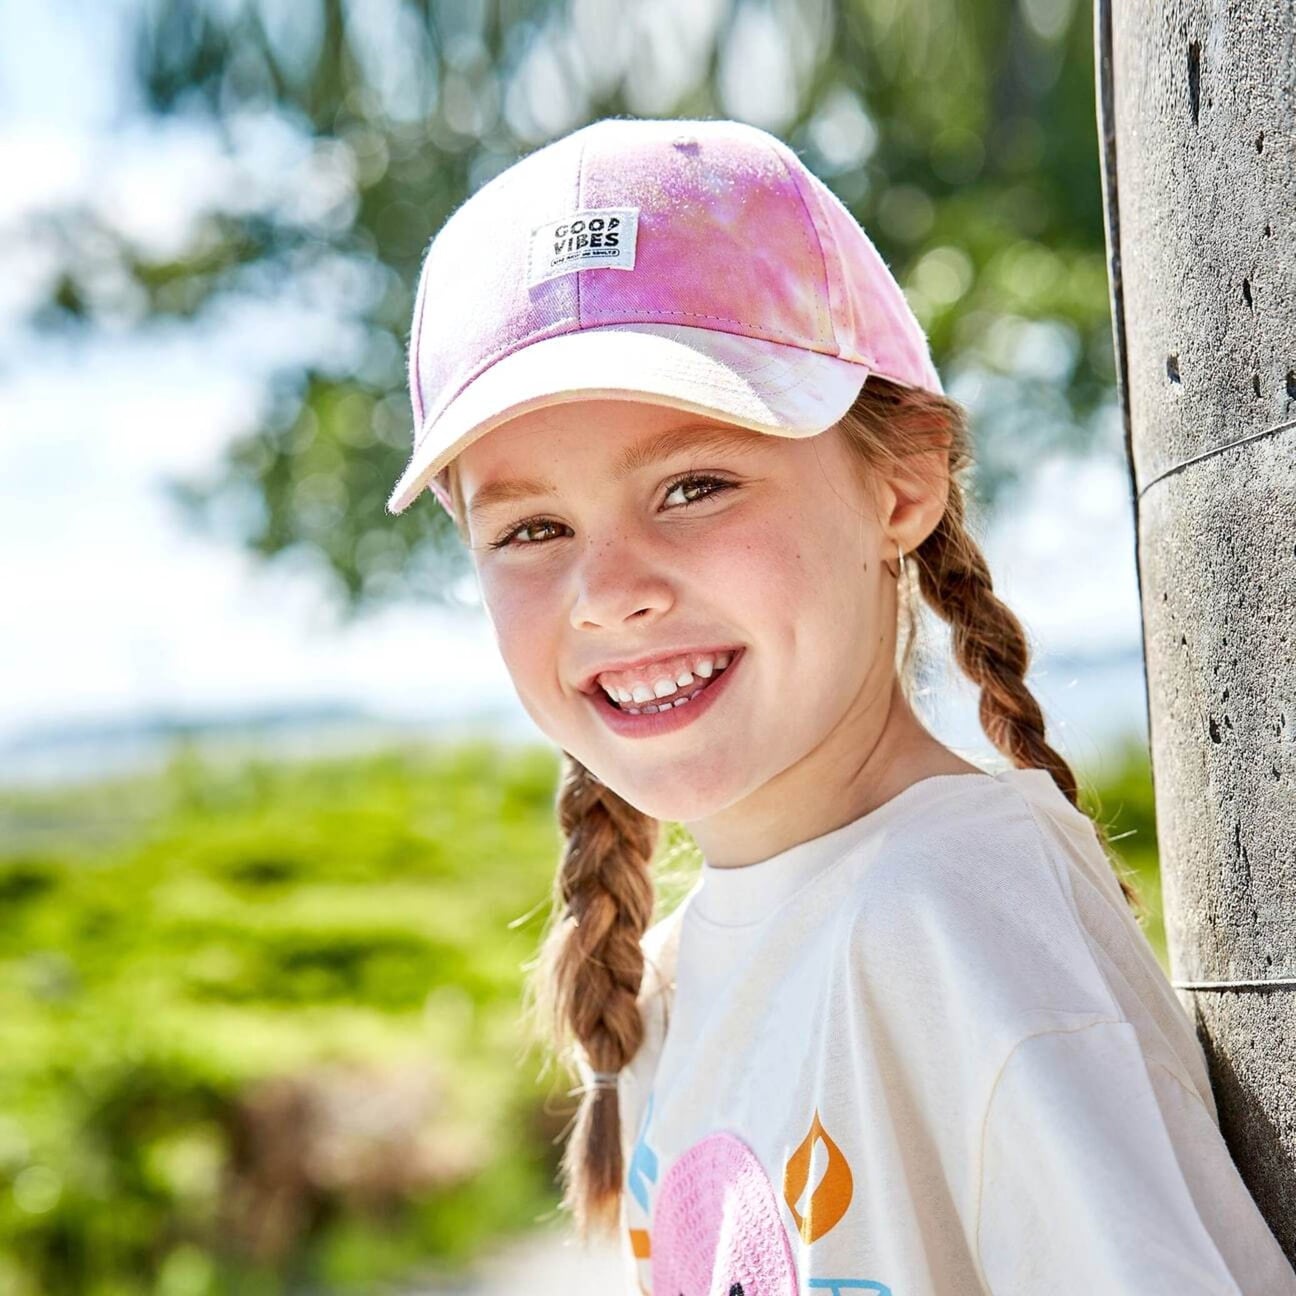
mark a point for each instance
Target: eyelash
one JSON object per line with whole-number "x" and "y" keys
{"x": 506, "y": 540}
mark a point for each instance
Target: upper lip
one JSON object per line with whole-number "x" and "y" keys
{"x": 589, "y": 682}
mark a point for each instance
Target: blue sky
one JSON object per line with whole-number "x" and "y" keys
{"x": 114, "y": 611}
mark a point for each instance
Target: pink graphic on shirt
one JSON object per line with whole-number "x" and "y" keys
{"x": 717, "y": 1230}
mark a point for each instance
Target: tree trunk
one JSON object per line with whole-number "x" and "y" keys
{"x": 1196, "y": 108}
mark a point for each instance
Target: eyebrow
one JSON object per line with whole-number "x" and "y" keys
{"x": 650, "y": 450}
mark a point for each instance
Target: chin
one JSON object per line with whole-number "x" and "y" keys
{"x": 668, "y": 799}
{"x": 687, "y": 789}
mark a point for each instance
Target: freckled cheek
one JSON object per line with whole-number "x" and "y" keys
{"x": 765, "y": 562}
{"x": 528, "y": 619}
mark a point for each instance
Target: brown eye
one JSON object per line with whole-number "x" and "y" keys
{"x": 531, "y": 524}
{"x": 717, "y": 483}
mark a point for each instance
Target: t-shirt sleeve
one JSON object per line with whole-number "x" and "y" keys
{"x": 1081, "y": 1188}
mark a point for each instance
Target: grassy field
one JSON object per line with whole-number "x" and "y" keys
{"x": 261, "y": 1023}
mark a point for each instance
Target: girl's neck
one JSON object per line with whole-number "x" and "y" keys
{"x": 829, "y": 787}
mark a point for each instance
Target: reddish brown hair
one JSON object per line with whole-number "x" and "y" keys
{"x": 586, "y": 979}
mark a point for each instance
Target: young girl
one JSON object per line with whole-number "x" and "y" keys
{"x": 904, "y": 1035}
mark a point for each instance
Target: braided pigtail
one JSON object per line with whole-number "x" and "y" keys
{"x": 889, "y": 422}
{"x": 588, "y": 976}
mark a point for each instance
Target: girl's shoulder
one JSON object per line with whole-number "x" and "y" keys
{"x": 1011, "y": 855}
{"x": 963, "y": 844}
{"x": 659, "y": 944}
{"x": 1007, "y": 842}
{"x": 973, "y": 896}
{"x": 1001, "y": 903}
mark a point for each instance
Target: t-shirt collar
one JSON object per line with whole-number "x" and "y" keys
{"x": 748, "y": 894}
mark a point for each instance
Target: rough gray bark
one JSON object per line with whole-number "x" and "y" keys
{"x": 1197, "y": 125}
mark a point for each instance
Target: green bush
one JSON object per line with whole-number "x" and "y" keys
{"x": 171, "y": 942}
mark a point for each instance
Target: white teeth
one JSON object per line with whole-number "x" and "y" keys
{"x": 663, "y": 706}
{"x": 664, "y": 686}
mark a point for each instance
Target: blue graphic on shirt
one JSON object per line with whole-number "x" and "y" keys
{"x": 643, "y": 1161}
{"x": 836, "y": 1285}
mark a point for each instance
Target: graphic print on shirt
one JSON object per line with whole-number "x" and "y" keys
{"x": 642, "y": 1172}
{"x": 831, "y": 1196}
{"x": 717, "y": 1226}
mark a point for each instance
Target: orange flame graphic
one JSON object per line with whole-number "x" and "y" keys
{"x": 833, "y": 1195}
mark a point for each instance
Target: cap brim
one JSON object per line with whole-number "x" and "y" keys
{"x": 766, "y": 386}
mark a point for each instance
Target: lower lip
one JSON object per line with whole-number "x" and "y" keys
{"x": 661, "y": 722}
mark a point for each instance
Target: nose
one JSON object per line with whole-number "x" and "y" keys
{"x": 615, "y": 582}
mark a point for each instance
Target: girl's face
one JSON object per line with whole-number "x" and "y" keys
{"x": 606, "y": 532}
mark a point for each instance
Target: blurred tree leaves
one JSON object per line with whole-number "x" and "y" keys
{"x": 961, "y": 133}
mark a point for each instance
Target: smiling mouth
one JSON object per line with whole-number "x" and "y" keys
{"x": 672, "y": 701}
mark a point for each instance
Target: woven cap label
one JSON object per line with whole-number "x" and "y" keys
{"x": 600, "y": 238}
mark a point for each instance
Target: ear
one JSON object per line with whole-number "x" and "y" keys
{"x": 911, "y": 497}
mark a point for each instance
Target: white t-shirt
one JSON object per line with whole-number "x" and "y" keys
{"x": 928, "y": 1053}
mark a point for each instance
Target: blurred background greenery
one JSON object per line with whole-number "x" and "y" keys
{"x": 260, "y": 1020}
{"x": 260, "y": 1017}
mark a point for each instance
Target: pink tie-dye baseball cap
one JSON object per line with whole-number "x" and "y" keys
{"x": 692, "y": 263}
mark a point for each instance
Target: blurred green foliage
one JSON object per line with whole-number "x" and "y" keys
{"x": 190, "y": 960}
{"x": 961, "y": 133}
{"x": 169, "y": 942}
{"x": 1121, "y": 799}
